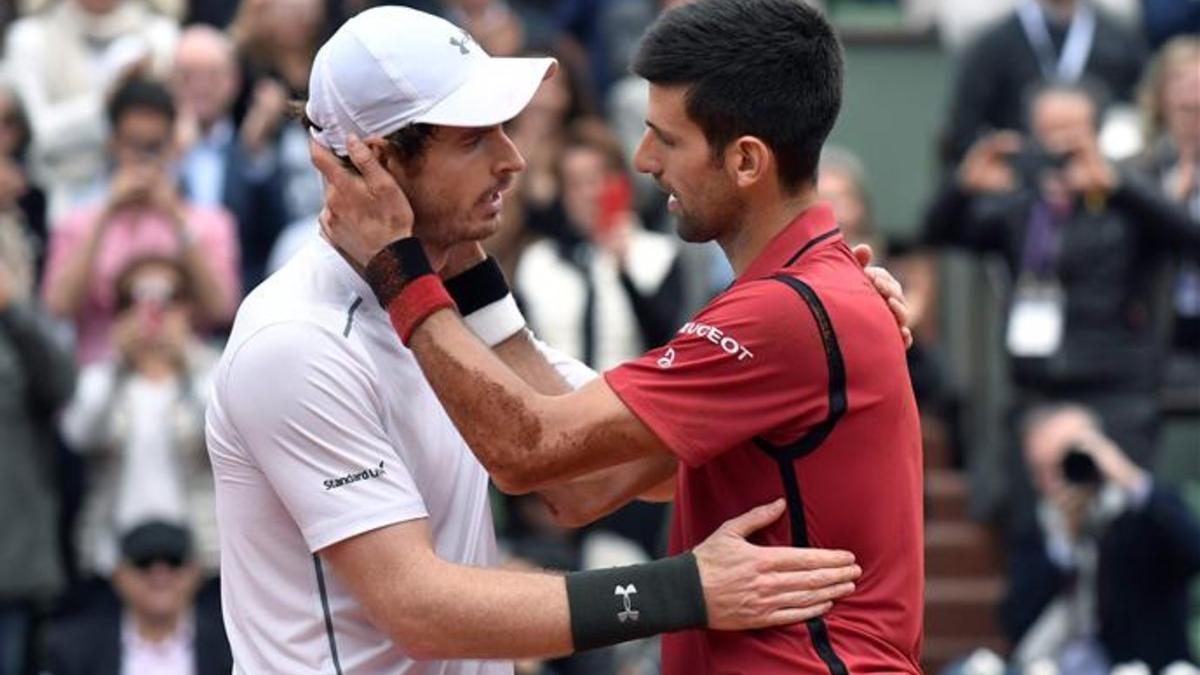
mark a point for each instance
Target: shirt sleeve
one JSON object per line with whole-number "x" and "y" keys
{"x": 304, "y": 407}
{"x": 751, "y": 364}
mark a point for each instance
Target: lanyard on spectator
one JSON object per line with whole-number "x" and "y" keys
{"x": 1078, "y": 46}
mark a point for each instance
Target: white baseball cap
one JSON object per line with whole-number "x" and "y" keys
{"x": 389, "y": 67}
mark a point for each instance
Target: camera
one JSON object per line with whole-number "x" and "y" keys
{"x": 1033, "y": 161}
{"x": 1078, "y": 468}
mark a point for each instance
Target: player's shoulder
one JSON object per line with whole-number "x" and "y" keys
{"x": 299, "y": 315}
{"x": 762, "y": 315}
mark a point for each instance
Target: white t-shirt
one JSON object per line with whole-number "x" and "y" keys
{"x": 323, "y": 427}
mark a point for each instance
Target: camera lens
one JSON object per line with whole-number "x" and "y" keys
{"x": 1078, "y": 467}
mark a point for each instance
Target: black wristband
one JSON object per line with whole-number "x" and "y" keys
{"x": 630, "y": 603}
{"x": 393, "y": 268}
{"x": 478, "y": 287}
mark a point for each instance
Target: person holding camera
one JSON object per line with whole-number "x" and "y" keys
{"x": 1086, "y": 243}
{"x": 138, "y": 419}
{"x": 141, "y": 214}
{"x": 1102, "y": 577}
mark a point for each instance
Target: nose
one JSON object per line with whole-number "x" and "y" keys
{"x": 643, "y": 159}
{"x": 510, "y": 160}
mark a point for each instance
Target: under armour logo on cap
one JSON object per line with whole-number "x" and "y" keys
{"x": 462, "y": 43}
{"x": 389, "y": 67}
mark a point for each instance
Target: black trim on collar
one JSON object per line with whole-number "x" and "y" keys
{"x": 811, "y": 243}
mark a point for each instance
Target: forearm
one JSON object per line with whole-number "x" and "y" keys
{"x": 588, "y": 498}
{"x": 520, "y": 353}
{"x": 524, "y": 439}
{"x": 460, "y": 612}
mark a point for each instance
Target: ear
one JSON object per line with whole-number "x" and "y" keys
{"x": 749, "y": 161}
{"x": 383, "y": 151}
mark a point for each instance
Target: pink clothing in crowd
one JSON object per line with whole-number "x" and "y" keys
{"x": 130, "y": 236}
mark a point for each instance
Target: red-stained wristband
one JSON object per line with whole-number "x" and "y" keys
{"x": 418, "y": 299}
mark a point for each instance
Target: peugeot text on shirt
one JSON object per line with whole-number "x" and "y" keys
{"x": 717, "y": 337}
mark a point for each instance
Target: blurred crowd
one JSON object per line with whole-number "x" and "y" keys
{"x": 152, "y": 174}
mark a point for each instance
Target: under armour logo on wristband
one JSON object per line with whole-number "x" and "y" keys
{"x": 630, "y": 614}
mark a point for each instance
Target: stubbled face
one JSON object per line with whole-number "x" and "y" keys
{"x": 674, "y": 150}
{"x": 457, "y": 188}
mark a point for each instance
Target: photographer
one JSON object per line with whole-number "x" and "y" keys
{"x": 141, "y": 214}
{"x": 137, "y": 418}
{"x": 1102, "y": 577}
{"x": 1086, "y": 244}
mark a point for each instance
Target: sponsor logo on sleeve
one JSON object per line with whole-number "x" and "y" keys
{"x": 667, "y": 359}
{"x": 726, "y": 343}
{"x": 365, "y": 474}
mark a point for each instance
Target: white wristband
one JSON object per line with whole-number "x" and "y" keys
{"x": 496, "y": 322}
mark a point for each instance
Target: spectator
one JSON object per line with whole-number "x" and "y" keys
{"x": 138, "y": 419}
{"x": 36, "y": 378}
{"x": 276, "y": 41}
{"x": 217, "y": 169}
{"x": 1171, "y": 105}
{"x": 65, "y": 62}
{"x": 142, "y": 214}
{"x": 158, "y": 629}
{"x": 1102, "y": 577}
{"x": 1084, "y": 242}
{"x": 1042, "y": 41}
{"x": 959, "y": 23}
{"x": 600, "y": 288}
{"x": 539, "y": 132}
{"x": 20, "y": 199}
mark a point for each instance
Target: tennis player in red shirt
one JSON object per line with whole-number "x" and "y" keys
{"x": 791, "y": 384}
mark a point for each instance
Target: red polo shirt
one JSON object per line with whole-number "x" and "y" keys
{"x": 793, "y": 383}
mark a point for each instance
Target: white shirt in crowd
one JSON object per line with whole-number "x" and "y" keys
{"x": 174, "y": 655}
{"x": 322, "y": 427}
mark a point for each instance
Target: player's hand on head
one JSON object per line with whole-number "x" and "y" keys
{"x": 889, "y": 288}
{"x": 748, "y": 587}
{"x": 364, "y": 212}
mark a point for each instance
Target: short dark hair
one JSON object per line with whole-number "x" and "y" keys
{"x": 765, "y": 68}
{"x": 140, "y": 94}
{"x": 410, "y": 142}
